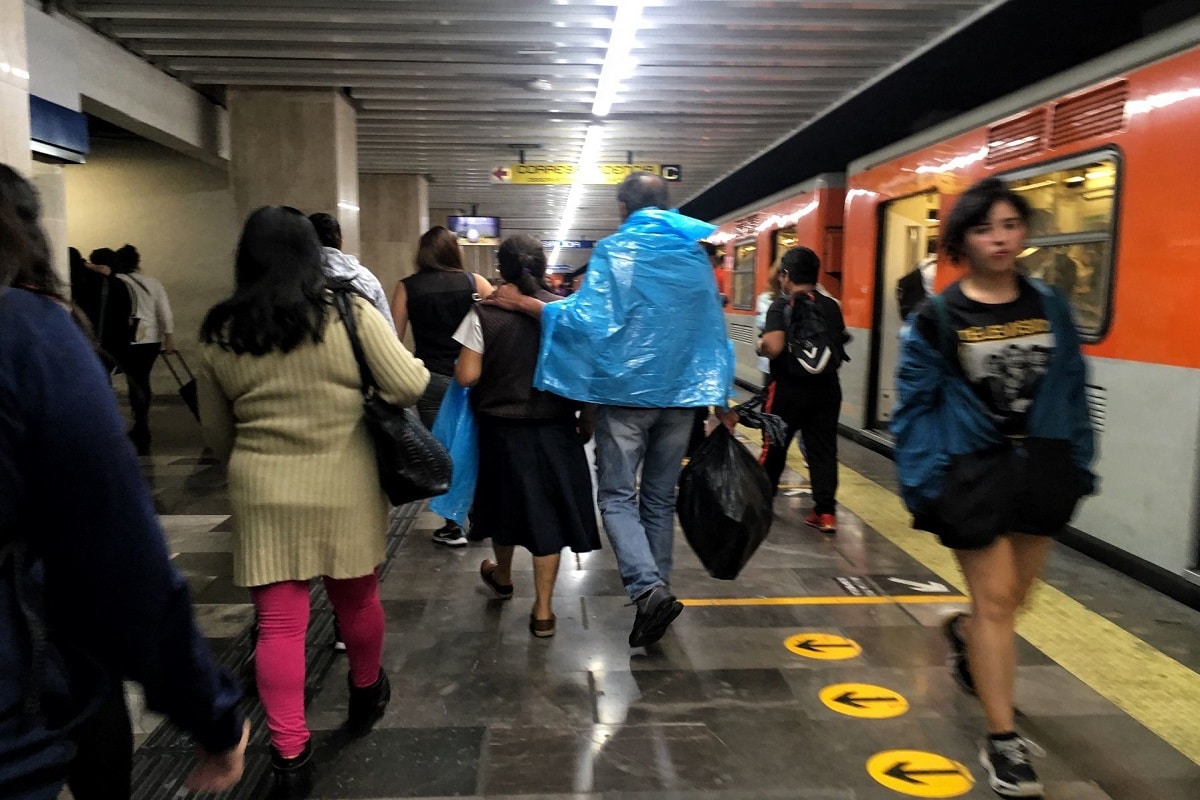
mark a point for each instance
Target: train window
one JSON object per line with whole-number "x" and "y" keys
{"x": 744, "y": 261}
{"x": 782, "y": 241}
{"x": 1070, "y": 239}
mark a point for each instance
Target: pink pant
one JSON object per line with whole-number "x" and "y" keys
{"x": 279, "y": 656}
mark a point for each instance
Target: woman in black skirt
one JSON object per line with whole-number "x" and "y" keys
{"x": 534, "y": 488}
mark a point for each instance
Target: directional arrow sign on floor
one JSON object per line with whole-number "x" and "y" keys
{"x": 922, "y": 586}
{"x": 920, "y": 774}
{"x": 827, "y": 646}
{"x": 501, "y": 175}
{"x": 906, "y": 585}
{"x": 863, "y": 700}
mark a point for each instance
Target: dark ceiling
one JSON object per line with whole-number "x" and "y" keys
{"x": 1018, "y": 44}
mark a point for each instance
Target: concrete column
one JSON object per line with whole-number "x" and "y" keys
{"x": 297, "y": 148}
{"x": 14, "y": 87}
{"x": 395, "y": 212}
{"x": 51, "y": 183}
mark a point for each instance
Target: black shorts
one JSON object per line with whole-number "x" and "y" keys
{"x": 1026, "y": 485}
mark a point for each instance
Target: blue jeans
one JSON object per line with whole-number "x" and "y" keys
{"x": 640, "y": 524}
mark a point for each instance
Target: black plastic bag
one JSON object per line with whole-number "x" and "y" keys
{"x": 724, "y": 505}
{"x": 751, "y": 415}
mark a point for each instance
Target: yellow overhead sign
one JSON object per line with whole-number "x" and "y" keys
{"x": 562, "y": 174}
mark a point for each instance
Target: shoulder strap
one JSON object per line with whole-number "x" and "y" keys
{"x": 341, "y": 300}
{"x": 472, "y": 287}
{"x": 945, "y": 342}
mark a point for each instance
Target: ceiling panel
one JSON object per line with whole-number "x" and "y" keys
{"x": 455, "y": 89}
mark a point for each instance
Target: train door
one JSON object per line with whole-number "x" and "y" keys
{"x": 907, "y": 252}
{"x": 739, "y": 315}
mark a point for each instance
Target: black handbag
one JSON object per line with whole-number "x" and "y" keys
{"x": 412, "y": 464}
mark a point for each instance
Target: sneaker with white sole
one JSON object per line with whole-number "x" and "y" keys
{"x": 450, "y": 536}
{"x": 1007, "y": 764}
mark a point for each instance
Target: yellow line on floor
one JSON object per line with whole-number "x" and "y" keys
{"x": 1153, "y": 688}
{"x": 825, "y": 601}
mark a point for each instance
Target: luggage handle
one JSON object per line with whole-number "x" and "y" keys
{"x": 166, "y": 357}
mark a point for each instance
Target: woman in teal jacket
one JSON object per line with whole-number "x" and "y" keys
{"x": 993, "y": 447}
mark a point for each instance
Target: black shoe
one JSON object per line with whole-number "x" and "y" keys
{"x": 960, "y": 667}
{"x": 1007, "y": 763}
{"x": 368, "y": 704}
{"x": 140, "y": 437}
{"x": 339, "y": 646}
{"x": 656, "y": 610}
{"x": 293, "y": 777}
{"x": 450, "y": 535}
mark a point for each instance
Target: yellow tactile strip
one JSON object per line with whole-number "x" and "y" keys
{"x": 1153, "y": 688}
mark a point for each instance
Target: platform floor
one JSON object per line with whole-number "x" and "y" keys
{"x": 721, "y": 708}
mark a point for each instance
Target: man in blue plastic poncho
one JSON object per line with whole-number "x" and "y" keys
{"x": 644, "y": 340}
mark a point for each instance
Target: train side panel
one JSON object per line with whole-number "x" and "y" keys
{"x": 1144, "y": 385}
{"x": 812, "y": 218}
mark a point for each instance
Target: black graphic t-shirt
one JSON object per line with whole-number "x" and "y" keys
{"x": 1003, "y": 349}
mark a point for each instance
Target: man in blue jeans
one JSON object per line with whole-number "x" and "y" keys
{"x": 644, "y": 341}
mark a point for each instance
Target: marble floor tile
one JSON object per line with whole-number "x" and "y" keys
{"x": 223, "y": 620}
{"x": 602, "y": 758}
{"x": 398, "y": 762}
{"x": 458, "y": 699}
{"x": 676, "y": 696}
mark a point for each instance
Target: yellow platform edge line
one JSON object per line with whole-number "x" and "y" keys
{"x": 836, "y": 600}
{"x": 1148, "y": 685}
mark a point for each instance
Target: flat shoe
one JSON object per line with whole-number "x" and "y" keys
{"x": 542, "y": 628}
{"x": 487, "y": 573}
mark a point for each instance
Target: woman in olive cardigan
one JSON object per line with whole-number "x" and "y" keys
{"x": 280, "y": 400}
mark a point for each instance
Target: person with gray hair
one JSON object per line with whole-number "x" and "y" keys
{"x": 622, "y": 342}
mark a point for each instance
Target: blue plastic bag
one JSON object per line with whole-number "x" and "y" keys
{"x": 455, "y": 428}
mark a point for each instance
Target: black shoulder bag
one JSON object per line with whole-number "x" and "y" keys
{"x": 412, "y": 464}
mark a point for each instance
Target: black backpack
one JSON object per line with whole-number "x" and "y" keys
{"x": 814, "y": 349}
{"x": 41, "y": 699}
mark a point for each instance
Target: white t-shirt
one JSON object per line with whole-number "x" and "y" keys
{"x": 151, "y": 306}
{"x": 470, "y": 332}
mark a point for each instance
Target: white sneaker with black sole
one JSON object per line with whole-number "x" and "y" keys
{"x": 450, "y": 536}
{"x": 1007, "y": 764}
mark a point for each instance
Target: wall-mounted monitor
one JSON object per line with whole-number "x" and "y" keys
{"x": 475, "y": 230}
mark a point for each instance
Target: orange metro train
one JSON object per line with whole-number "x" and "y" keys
{"x": 1108, "y": 156}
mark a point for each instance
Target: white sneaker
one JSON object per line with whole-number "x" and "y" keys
{"x": 1007, "y": 764}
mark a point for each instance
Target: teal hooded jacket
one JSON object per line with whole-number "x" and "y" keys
{"x": 646, "y": 329}
{"x": 938, "y": 415}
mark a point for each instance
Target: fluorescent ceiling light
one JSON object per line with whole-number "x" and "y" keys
{"x": 617, "y": 62}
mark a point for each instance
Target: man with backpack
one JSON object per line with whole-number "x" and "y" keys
{"x": 804, "y": 337}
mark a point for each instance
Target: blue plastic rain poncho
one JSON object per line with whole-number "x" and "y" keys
{"x": 646, "y": 329}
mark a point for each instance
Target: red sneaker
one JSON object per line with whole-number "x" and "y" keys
{"x": 825, "y": 523}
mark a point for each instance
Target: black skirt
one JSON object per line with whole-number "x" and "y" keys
{"x": 1028, "y": 485}
{"x": 534, "y": 488}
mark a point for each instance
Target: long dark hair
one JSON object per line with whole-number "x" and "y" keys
{"x": 438, "y": 250}
{"x": 26, "y": 251}
{"x": 279, "y": 299}
{"x": 523, "y": 263}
